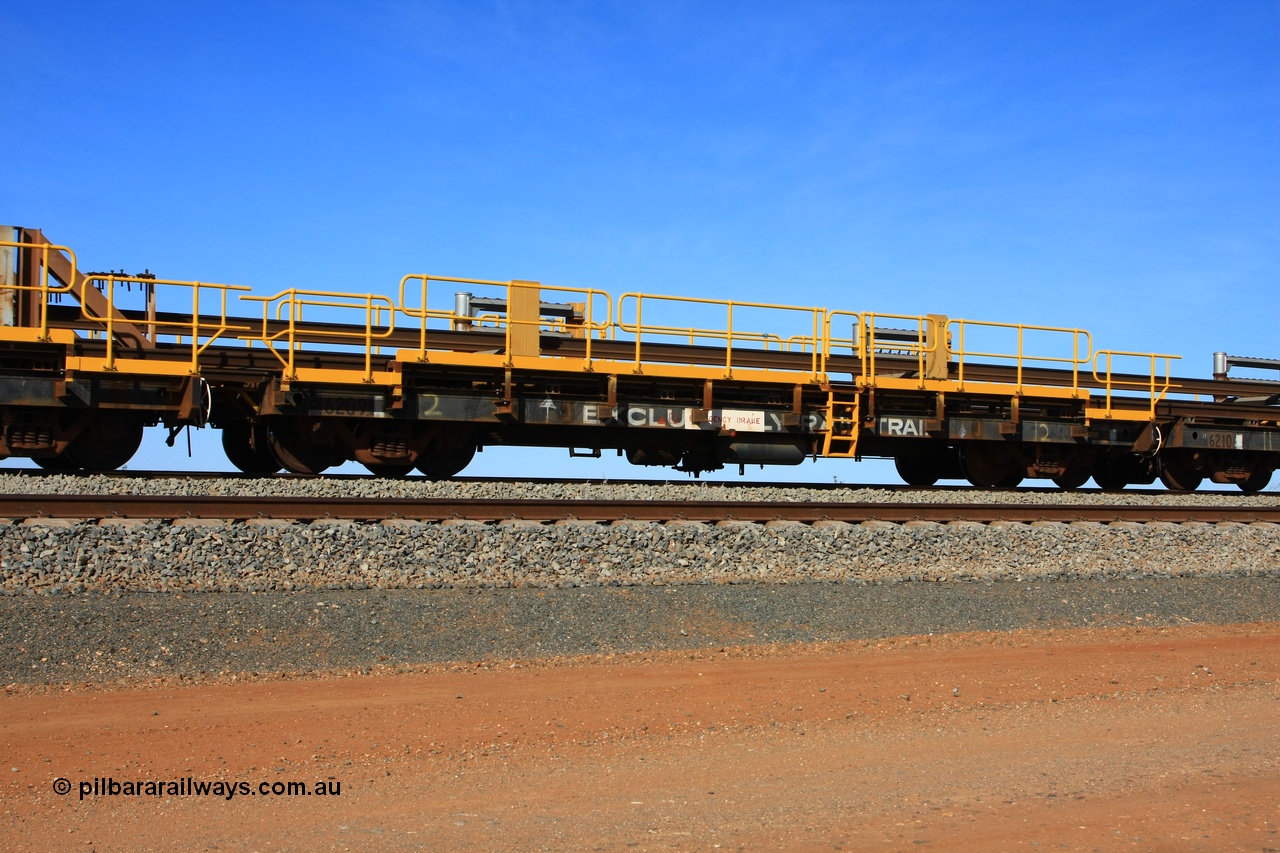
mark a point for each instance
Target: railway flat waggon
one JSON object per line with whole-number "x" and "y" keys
{"x": 425, "y": 376}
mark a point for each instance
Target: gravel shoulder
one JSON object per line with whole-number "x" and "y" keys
{"x": 60, "y": 557}
{"x": 135, "y": 637}
{"x": 1102, "y": 738}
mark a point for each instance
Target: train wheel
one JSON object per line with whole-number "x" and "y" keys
{"x": 441, "y": 463}
{"x": 54, "y": 463}
{"x": 916, "y": 470}
{"x": 1077, "y": 468}
{"x": 1177, "y": 474}
{"x": 1256, "y": 481}
{"x": 986, "y": 464}
{"x": 389, "y": 470}
{"x": 248, "y": 448}
{"x": 108, "y": 441}
{"x": 1073, "y": 478}
{"x": 1011, "y": 480}
{"x": 1107, "y": 475}
{"x": 296, "y": 451}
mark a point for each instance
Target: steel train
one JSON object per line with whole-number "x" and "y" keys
{"x": 303, "y": 380}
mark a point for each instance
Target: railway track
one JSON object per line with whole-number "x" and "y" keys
{"x": 961, "y": 491}
{"x": 439, "y": 509}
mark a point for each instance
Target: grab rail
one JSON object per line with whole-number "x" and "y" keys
{"x": 43, "y": 287}
{"x": 1020, "y": 357}
{"x": 727, "y": 334}
{"x": 197, "y": 330}
{"x": 868, "y": 344}
{"x": 1149, "y": 384}
{"x": 295, "y": 300}
{"x": 589, "y": 327}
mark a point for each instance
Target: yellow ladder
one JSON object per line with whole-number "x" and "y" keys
{"x": 842, "y": 426}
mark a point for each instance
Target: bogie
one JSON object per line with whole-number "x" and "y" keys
{"x": 105, "y": 441}
{"x": 1178, "y": 471}
{"x": 303, "y": 445}
{"x": 988, "y": 464}
{"x": 247, "y": 445}
{"x": 1256, "y": 481}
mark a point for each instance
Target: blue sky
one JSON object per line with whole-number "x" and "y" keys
{"x": 1100, "y": 165}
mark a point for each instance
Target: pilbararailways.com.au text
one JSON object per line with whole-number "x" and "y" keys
{"x": 192, "y": 787}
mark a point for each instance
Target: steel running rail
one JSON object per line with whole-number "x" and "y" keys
{"x": 445, "y": 509}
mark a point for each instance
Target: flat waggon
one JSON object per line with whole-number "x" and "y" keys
{"x": 422, "y": 378}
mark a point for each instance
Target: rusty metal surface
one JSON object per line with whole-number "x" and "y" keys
{"x": 172, "y": 506}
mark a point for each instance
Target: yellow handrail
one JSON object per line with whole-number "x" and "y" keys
{"x": 868, "y": 343}
{"x": 295, "y": 300}
{"x": 197, "y": 329}
{"x": 828, "y": 340}
{"x": 927, "y": 339}
{"x": 727, "y": 334}
{"x": 1149, "y": 384}
{"x": 590, "y": 326}
{"x": 1020, "y": 356}
{"x": 43, "y": 288}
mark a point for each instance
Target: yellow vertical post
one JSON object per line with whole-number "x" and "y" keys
{"x": 1155, "y": 396}
{"x": 869, "y": 350}
{"x": 422, "y": 330}
{"x": 294, "y": 311}
{"x": 368, "y": 337}
{"x": 938, "y": 357}
{"x": 813, "y": 361}
{"x": 111, "y": 313}
{"x": 587, "y": 314}
{"x": 524, "y": 319}
{"x": 195, "y": 326}
{"x": 44, "y": 294}
{"x": 1019, "y": 359}
{"x": 1075, "y": 363}
{"x": 1108, "y": 384}
{"x": 639, "y": 302}
{"x": 728, "y": 346}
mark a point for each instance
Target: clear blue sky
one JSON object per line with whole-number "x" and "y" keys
{"x": 1105, "y": 165}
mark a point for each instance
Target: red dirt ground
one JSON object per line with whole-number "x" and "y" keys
{"x": 1160, "y": 738}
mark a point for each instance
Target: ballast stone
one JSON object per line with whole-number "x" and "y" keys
{"x": 163, "y": 556}
{"x": 675, "y": 490}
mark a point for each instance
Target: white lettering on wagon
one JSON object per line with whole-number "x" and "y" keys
{"x": 742, "y": 421}
{"x": 640, "y": 416}
{"x": 738, "y": 420}
{"x": 901, "y": 426}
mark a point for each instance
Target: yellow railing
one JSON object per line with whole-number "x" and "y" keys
{"x": 208, "y": 333}
{"x": 43, "y": 288}
{"x": 1019, "y": 355}
{"x": 829, "y": 341}
{"x": 728, "y": 334}
{"x": 925, "y": 343}
{"x": 869, "y": 344}
{"x": 292, "y": 303}
{"x": 592, "y": 325}
{"x": 1156, "y": 389}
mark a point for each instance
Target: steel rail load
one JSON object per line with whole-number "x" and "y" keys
{"x": 308, "y": 379}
